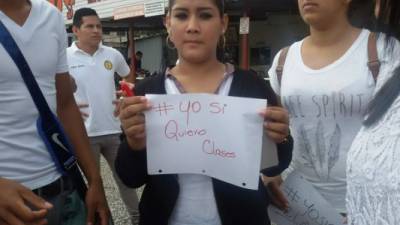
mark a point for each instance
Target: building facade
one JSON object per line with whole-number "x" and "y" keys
{"x": 272, "y": 25}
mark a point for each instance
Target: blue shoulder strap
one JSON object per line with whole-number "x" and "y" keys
{"x": 48, "y": 126}
{"x": 15, "y": 53}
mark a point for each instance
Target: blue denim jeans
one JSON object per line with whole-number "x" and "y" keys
{"x": 68, "y": 209}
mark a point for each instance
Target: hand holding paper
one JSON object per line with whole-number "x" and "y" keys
{"x": 125, "y": 91}
{"x": 132, "y": 120}
{"x": 276, "y": 123}
{"x": 277, "y": 196}
{"x": 306, "y": 205}
{"x": 206, "y": 134}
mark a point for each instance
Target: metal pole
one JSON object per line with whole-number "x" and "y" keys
{"x": 132, "y": 50}
{"x": 244, "y": 46}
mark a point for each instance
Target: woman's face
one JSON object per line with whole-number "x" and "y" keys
{"x": 195, "y": 27}
{"x": 322, "y": 12}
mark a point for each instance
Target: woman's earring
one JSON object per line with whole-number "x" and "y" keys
{"x": 169, "y": 43}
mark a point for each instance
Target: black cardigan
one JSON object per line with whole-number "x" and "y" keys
{"x": 236, "y": 206}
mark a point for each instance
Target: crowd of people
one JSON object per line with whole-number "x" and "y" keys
{"x": 333, "y": 114}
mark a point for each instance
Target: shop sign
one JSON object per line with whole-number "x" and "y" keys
{"x": 154, "y": 8}
{"x": 128, "y": 12}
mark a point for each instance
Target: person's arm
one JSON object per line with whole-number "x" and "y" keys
{"x": 123, "y": 70}
{"x": 277, "y": 128}
{"x": 131, "y": 166}
{"x": 284, "y": 150}
{"x": 130, "y": 78}
{"x": 14, "y": 201}
{"x": 271, "y": 176}
{"x": 71, "y": 120}
{"x": 131, "y": 163}
{"x": 279, "y": 132}
{"x": 276, "y": 125}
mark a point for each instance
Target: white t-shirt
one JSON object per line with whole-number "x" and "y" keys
{"x": 94, "y": 77}
{"x": 43, "y": 41}
{"x": 373, "y": 168}
{"x": 196, "y": 203}
{"x": 326, "y": 109}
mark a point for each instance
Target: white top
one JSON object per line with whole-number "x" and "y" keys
{"x": 94, "y": 77}
{"x": 326, "y": 108}
{"x": 43, "y": 40}
{"x": 196, "y": 203}
{"x": 373, "y": 164}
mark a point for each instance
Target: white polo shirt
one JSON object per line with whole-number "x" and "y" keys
{"x": 43, "y": 41}
{"x": 94, "y": 77}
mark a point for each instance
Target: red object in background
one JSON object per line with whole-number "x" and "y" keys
{"x": 57, "y": 3}
{"x": 128, "y": 91}
{"x": 69, "y": 4}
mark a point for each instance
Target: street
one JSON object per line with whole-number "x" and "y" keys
{"x": 115, "y": 203}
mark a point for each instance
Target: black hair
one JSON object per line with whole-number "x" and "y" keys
{"x": 388, "y": 22}
{"x": 219, "y": 3}
{"x": 357, "y": 5}
{"x": 139, "y": 53}
{"x": 361, "y": 13}
{"x": 80, "y": 13}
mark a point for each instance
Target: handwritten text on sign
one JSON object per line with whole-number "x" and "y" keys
{"x": 206, "y": 134}
{"x": 306, "y": 205}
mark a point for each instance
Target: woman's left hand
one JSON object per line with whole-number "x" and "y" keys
{"x": 276, "y": 124}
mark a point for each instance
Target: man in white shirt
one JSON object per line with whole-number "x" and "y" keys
{"x": 32, "y": 190}
{"x": 93, "y": 66}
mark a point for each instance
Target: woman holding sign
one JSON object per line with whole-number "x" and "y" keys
{"x": 373, "y": 178}
{"x": 195, "y": 28}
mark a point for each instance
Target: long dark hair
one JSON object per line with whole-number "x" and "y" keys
{"x": 361, "y": 13}
{"x": 388, "y": 22}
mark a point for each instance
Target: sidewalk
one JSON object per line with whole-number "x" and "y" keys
{"x": 117, "y": 207}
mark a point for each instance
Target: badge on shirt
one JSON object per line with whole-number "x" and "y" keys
{"x": 108, "y": 65}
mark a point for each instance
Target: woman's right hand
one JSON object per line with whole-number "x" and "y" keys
{"x": 132, "y": 120}
{"x": 273, "y": 184}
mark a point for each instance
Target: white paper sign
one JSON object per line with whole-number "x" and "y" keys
{"x": 306, "y": 205}
{"x": 269, "y": 156}
{"x": 206, "y": 134}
